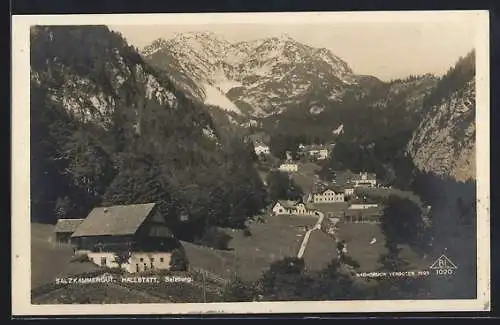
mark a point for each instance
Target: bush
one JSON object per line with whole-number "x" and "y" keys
{"x": 179, "y": 260}
{"x": 247, "y": 232}
{"x": 215, "y": 238}
{"x": 239, "y": 291}
{"x": 81, "y": 258}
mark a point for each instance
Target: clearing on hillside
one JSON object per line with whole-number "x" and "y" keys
{"x": 276, "y": 238}
{"x": 358, "y": 237}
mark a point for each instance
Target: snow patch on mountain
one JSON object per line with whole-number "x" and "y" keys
{"x": 339, "y": 130}
{"x": 315, "y": 110}
{"x": 215, "y": 97}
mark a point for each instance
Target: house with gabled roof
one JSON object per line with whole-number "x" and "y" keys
{"x": 326, "y": 195}
{"x": 64, "y": 228}
{"x": 133, "y": 237}
{"x": 282, "y": 207}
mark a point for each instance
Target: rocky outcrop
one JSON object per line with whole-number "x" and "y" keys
{"x": 444, "y": 143}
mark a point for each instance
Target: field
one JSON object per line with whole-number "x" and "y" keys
{"x": 305, "y": 177}
{"x": 50, "y": 260}
{"x": 358, "y": 237}
{"x": 280, "y": 236}
{"x": 320, "y": 251}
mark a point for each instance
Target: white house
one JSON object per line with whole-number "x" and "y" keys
{"x": 283, "y": 207}
{"x": 261, "y": 149}
{"x": 348, "y": 191}
{"x": 364, "y": 179}
{"x": 289, "y": 167}
{"x": 326, "y": 196}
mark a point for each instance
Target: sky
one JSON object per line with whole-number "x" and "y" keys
{"x": 387, "y": 50}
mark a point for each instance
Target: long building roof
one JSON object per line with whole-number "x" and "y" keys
{"x": 114, "y": 220}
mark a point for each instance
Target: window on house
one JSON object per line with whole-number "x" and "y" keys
{"x": 103, "y": 260}
{"x": 161, "y": 259}
{"x": 141, "y": 259}
{"x": 152, "y": 259}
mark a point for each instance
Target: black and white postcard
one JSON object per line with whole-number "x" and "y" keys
{"x": 250, "y": 163}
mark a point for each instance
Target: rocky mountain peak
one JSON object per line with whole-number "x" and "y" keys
{"x": 255, "y": 78}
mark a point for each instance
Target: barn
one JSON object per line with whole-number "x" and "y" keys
{"x": 64, "y": 228}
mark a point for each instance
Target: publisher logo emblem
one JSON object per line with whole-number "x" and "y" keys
{"x": 443, "y": 266}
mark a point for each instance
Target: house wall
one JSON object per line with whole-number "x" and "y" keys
{"x": 138, "y": 261}
{"x": 365, "y": 182}
{"x": 289, "y": 167}
{"x": 297, "y": 210}
{"x": 278, "y": 209}
{"x": 104, "y": 243}
{"x": 349, "y": 191}
{"x": 323, "y": 154}
{"x": 63, "y": 237}
{"x": 327, "y": 197}
{"x": 358, "y": 206}
{"x": 261, "y": 149}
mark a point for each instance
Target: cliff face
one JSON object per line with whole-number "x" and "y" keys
{"x": 444, "y": 143}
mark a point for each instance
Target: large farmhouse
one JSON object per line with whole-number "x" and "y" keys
{"x": 326, "y": 196}
{"x": 291, "y": 207}
{"x": 134, "y": 237}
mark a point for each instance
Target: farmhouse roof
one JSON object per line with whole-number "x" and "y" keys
{"x": 114, "y": 220}
{"x": 287, "y": 204}
{"x": 321, "y": 190}
{"x": 67, "y": 225}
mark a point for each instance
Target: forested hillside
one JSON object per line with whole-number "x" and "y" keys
{"x": 106, "y": 128}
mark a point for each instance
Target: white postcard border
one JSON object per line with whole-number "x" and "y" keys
{"x": 20, "y": 227}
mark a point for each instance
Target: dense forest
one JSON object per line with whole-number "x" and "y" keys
{"x": 144, "y": 141}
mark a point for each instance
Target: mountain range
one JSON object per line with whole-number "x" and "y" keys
{"x": 255, "y": 78}
{"x": 281, "y": 86}
{"x": 110, "y": 125}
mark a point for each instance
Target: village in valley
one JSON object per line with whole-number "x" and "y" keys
{"x": 331, "y": 219}
{"x": 199, "y": 169}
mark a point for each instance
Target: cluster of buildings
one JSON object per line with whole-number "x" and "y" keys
{"x": 133, "y": 237}
{"x": 336, "y": 202}
{"x": 315, "y": 152}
